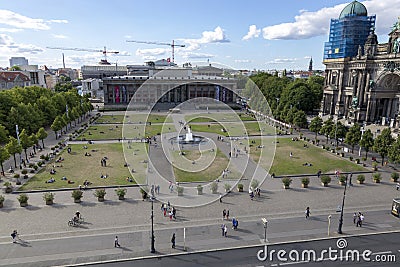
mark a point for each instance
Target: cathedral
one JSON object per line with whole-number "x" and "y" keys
{"x": 362, "y": 76}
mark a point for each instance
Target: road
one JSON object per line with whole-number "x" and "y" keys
{"x": 384, "y": 252}
{"x": 53, "y": 249}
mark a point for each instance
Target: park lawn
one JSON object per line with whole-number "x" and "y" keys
{"x": 234, "y": 128}
{"x": 134, "y": 118}
{"x": 77, "y": 167}
{"x": 112, "y": 132}
{"x": 319, "y": 158}
{"x": 214, "y": 171}
{"x": 219, "y": 117}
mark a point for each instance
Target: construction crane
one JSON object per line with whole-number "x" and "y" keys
{"x": 104, "y": 51}
{"x": 172, "y": 45}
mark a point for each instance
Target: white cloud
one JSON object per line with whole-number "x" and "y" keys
{"x": 194, "y": 55}
{"x": 314, "y": 23}
{"x": 216, "y": 36}
{"x": 64, "y": 21}
{"x": 59, "y": 36}
{"x": 282, "y": 61}
{"x": 10, "y": 30}
{"x": 252, "y": 33}
{"x": 19, "y": 21}
{"x": 8, "y": 47}
{"x": 128, "y": 36}
{"x": 151, "y": 52}
{"x": 242, "y": 60}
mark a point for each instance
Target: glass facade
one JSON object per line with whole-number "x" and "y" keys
{"x": 347, "y": 34}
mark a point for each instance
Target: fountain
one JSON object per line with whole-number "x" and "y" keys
{"x": 189, "y": 138}
{"x": 189, "y": 135}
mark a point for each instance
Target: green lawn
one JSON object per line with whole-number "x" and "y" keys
{"x": 133, "y": 118}
{"x": 214, "y": 171}
{"x": 107, "y": 132}
{"x": 218, "y": 117}
{"x": 319, "y": 158}
{"x": 234, "y": 128}
{"x": 77, "y": 167}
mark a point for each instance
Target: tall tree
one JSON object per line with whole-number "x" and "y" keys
{"x": 13, "y": 148}
{"x": 41, "y": 135}
{"x": 3, "y": 135}
{"x": 26, "y": 142}
{"x": 367, "y": 141}
{"x": 300, "y": 119}
{"x": 383, "y": 142}
{"x": 338, "y": 131}
{"x": 394, "y": 151}
{"x": 4, "y": 155}
{"x": 327, "y": 128}
{"x": 315, "y": 126}
{"x": 34, "y": 140}
{"x": 353, "y": 136}
{"x": 57, "y": 125}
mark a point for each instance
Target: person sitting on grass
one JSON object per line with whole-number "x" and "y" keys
{"x": 51, "y": 180}
{"x": 52, "y": 171}
{"x": 70, "y": 182}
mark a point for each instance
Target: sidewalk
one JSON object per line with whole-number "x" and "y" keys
{"x": 99, "y": 247}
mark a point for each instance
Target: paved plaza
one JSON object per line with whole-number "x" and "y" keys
{"x": 45, "y": 227}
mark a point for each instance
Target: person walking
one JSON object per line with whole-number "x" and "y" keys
{"x": 223, "y": 214}
{"x": 308, "y": 212}
{"x": 361, "y": 219}
{"x": 225, "y": 230}
{"x": 355, "y": 218}
{"x": 358, "y": 220}
{"x": 173, "y": 240}
{"x": 397, "y": 186}
{"x": 14, "y": 236}
{"x": 116, "y": 243}
{"x": 227, "y": 215}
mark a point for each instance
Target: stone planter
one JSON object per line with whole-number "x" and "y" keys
{"x": 394, "y": 180}
{"x": 25, "y": 176}
{"x": 49, "y": 202}
{"x": 325, "y": 184}
{"x": 342, "y": 183}
{"x": 286, "y": 186}
{"x": 377, "y": 181}
{"x": 360, "y": 182}
{"x": 77, "y": 200}
{"x": 240, "y": 189}
{"x": 100, "y": 199}
{"x": 23, "y": 204}
{"x": 304, "y": 185}
{"x": 199, "y": 192}
{"x": 1, "y": 204}
{"x": 121, "y": 197}
{"x": 8, "y": 189}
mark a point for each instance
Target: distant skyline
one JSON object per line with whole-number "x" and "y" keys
{"x": 242, "y": 35}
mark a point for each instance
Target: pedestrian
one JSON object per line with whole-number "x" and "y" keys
{"x": 308, "y": 212}
{"x": 351, "y": 176}
{"x": 174, "y": 213}
{"x": 116, "y": 243}
{"x": 14, "y": 236}
{"x": 227, "y": 214}
{"x": 223, "y": 214}
{"x": 397, "y": 186}
{"x": 358, "y": 220}
{"x": 291, "y": 155}
{"x": 173, "y": 240}
{"x": 361, "y": 219}
{"x": 354, "y": 217}
{"x": 225, "y": 230}
{"x": 220, "y": 198}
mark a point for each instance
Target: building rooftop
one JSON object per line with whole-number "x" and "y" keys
{"x": 355, "y": 8}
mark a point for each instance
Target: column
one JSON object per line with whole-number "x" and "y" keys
{"x": 366, "y": 88}
{"x": 362, "y": 90}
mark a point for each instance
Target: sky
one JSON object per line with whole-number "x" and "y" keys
{"x": 258, "y": 34}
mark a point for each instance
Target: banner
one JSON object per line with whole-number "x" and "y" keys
{"x": 116, "y": 93}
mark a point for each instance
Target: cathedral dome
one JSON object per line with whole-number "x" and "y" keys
{"x": 353, "y": 9}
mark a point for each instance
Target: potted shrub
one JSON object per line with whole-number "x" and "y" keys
{"x": 360, "y": 178}
{"x": 358, "y": 161}
{"x": 214, "y": 187}
{"x": 376, "y": 177}
{"x": 351, "y": 158}
{"x": 23, "y": 199}
{"x": 24, "y": 172}
{"x": 48, "y": 197}
{"x": 394, "y": 176}
{"x": 227, "y": 188}
{"x": 286, "y": 182}
{"x": 342, "y": 179}
{"x": 100, "y": 193}
{"x": 180, "y": 189}
{"x": 374, "y": 166}
{"x": 7, "y": 187}
{"x": 305, "y": 182}
{"x": 77, "y": 195}
{"x": 240, "y": 187}
{"x": 121, "y": 192}
{"x": 199, "y": 189}
{"x": 16, "y": 176}
{"x": 325, "y": 180}
{"x": 143, "y": 192}
{"x": 1, "y": 201}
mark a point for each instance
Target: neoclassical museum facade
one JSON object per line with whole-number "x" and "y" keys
{"x": 366, "y": 86}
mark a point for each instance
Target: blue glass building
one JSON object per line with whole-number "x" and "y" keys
{"x": 348, "y": 32}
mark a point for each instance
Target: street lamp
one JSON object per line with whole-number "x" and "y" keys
{"x": 337, "y": 118}
{"x": 265, "y": 224}
{"x": 341, "y": 211}
{"x": 152, "y": 248}
{"x": 362, "y": 133}
{"x": 329, "y": 224}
